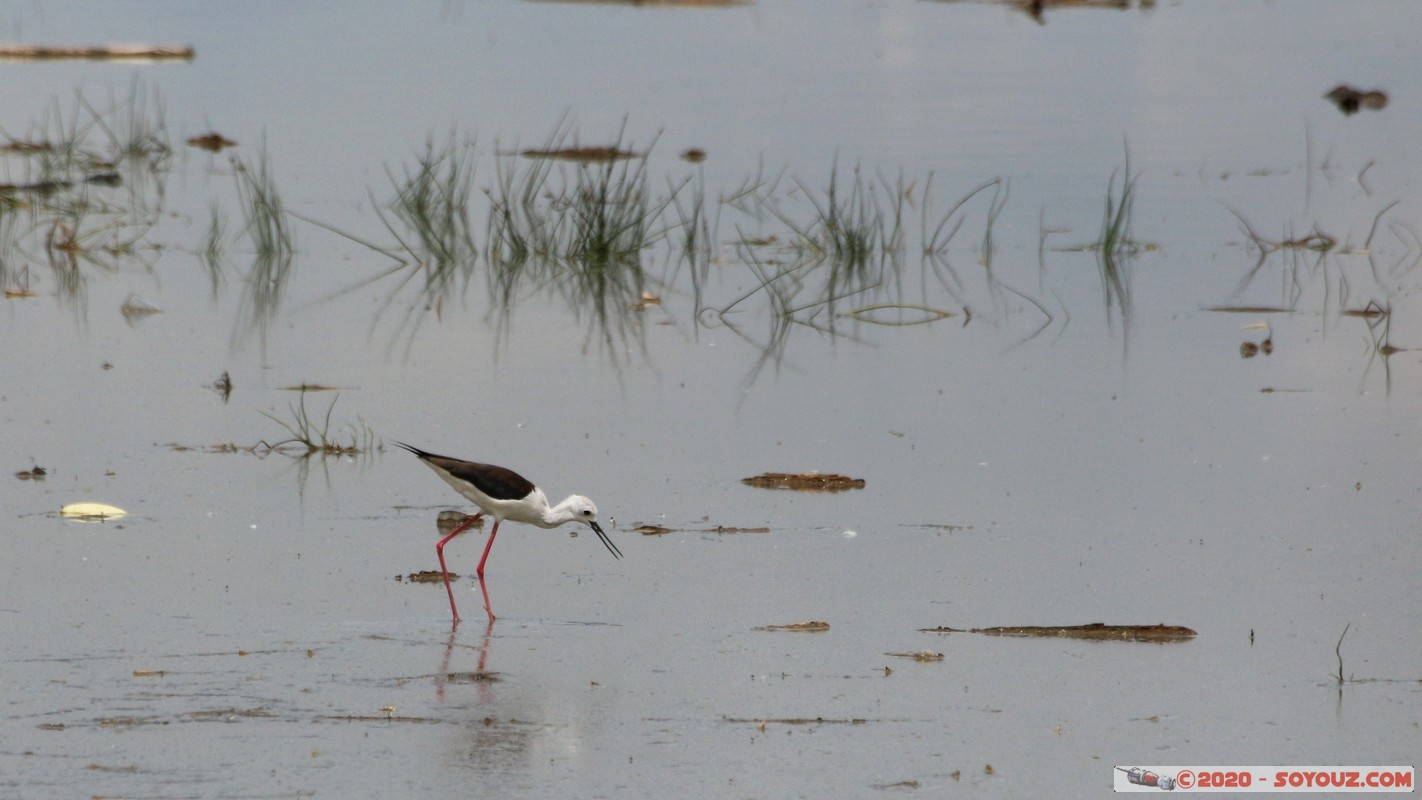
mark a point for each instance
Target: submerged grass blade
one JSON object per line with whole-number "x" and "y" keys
{"x": 1116, "y": 249}
{"x": 436, "y": 248}
{"x": 313, "y": 438}
{"x": 433, "y": 202}
{"x": 265, "y": 219}
{"x": 214, "y": 248}
{"x": 266, "y": 227}
{"x": 578, "y": 228}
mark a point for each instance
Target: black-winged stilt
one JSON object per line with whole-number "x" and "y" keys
{"x": 503, "y": 494}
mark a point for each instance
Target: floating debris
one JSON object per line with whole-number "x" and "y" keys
{"x": 220, "y": 447}
{"x": 939, "y": 526}
{"x": 212, "y": 142}
{"x": 223, "y": 386}
{"x": 1349, "y": 100}
{"x": 1095, "y": 630}
{"x": 759, "y": 241}
{"x": 761, "y": 723}
{"x": 1249, "y": 309}
{"x": 135, "y": 306}
{"x": 310, "y": 387}
{"x": 112, "y": 52}
{"x": 648, "y": 299}
{"x": 427, "y": 576}
{"x": 1036, "y": 9}
{"x": 733, "y": 529}
{"x": 1250, "y": 349}
{"x": 35, "y": 473}
{"x": 1372, "y": 311}
{"x": 373, "y": 718}
{"x": 804, "y": 481}
{"x": 129, "y": 722}
{"x": 813, "y": 626}
{"x": 661, "y": 530}
{"x": 231, "y": 714}
{"x": 910, "y": 784}
{"x": 91, "y": 511}
{"x": 472, "y": 677}
{"x": 924, "y": 656}
{"x": 582, "y": 154}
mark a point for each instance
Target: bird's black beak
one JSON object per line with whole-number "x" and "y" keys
{"x": 611, "y": 548}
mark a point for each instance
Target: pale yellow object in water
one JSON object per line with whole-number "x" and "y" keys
{"x": 92, "y": 511}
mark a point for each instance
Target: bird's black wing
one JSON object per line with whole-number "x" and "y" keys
{"x": 500, "y": 483}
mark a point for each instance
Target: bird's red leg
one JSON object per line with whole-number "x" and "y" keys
{"x": 487, "y": 548}
{"x": 490, "y": 609}
{"x": 439, "y": 550}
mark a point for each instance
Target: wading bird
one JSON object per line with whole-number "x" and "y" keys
{"x": 504, "y": 495}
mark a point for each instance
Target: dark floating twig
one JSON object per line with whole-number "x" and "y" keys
{"x": 662, "y": 530}
{"x": 804, "y": 481}
{"x": 813, "y": 626}
{"x": 114, "y": 52}
{"x": 795, "y": 721}
{"x": 1094, "y": 630}
{"x": 374, "y": 718}
{"x": 1249, "y": 309}
{"x": 1371, "y": 311}
{"x": 309, "y": 387}
{"x": 582, "y": 154}
{"x": 921, "y": 655}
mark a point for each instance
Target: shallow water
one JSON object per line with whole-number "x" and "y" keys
{"x": 1052, "y": 453}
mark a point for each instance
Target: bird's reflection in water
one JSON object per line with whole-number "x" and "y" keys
{"x": 481, "y": 676}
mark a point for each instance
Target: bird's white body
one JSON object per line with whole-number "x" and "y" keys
{"x": 532, "y": 508}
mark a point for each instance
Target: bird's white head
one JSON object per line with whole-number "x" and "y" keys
{"x": 580, "y": 509}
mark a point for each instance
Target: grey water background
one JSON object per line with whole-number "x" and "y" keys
{"x": 1050, "y": 454}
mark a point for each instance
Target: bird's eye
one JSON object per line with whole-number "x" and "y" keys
{"x": 587, "y": 513}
